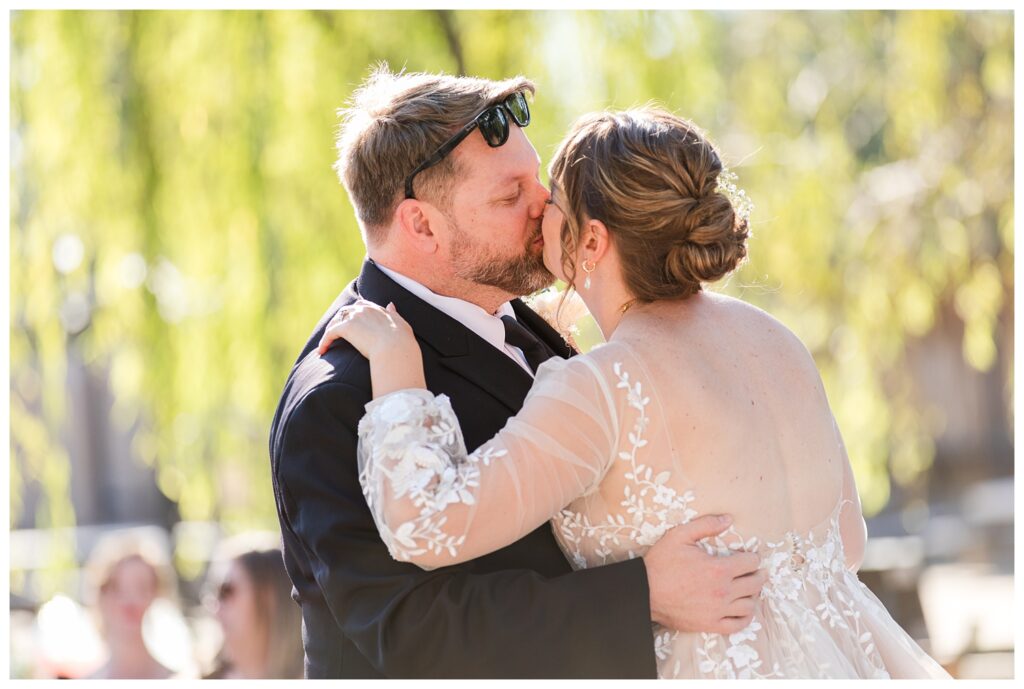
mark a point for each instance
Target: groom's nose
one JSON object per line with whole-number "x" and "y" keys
{"x": 538, "y": 199}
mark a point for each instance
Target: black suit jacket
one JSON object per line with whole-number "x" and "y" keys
{"x": 517, "y": 612}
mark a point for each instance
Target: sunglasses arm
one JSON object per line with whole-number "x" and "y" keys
{"x": 449, "y": 145}
{"x": 446, "y": 148}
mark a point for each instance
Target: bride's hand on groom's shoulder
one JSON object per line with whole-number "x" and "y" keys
{"x": 372, "y": 330}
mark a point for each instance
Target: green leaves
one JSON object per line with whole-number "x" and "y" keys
{"x": 175, "y": 219}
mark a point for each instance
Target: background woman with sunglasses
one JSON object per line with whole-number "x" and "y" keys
{"x": 260, "y": 622}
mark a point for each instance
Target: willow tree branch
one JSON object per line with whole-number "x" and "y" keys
{"x": 447, "y": 19}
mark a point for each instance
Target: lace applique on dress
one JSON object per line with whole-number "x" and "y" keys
{"x": 650, "y": 506}
{"x": 814, "y": 617}
{"x": 418, "y": 452}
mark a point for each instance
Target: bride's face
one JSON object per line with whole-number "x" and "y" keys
{"x": 551, "y": 229}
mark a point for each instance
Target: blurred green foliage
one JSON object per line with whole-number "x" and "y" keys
{"x": 175, "y": 218}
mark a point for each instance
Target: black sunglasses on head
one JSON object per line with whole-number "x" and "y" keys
{"x": 493, "y": 125}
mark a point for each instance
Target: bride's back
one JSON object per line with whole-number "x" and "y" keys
{"x": 736, "y": 413}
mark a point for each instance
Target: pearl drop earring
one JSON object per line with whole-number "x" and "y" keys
{"x": 588, "y": 271}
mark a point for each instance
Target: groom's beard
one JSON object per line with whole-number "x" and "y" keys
{"x": 521, "y": 274}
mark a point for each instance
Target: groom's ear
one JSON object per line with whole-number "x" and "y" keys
{"x": 414, "y": 223}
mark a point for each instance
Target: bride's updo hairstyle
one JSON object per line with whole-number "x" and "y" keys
{"x": 652, "y": 178}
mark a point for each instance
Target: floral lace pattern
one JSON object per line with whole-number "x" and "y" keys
{"x": 803, "y": 569}
{"x": 813, "y": 617}
{"x": 651, "y": 507}
{"x": 418, "y": 452}
{"x": 796, "y": 566}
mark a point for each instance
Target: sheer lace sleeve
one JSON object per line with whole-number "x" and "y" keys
{"x": 852, "y": 528}
{"x": 435, "y": 504}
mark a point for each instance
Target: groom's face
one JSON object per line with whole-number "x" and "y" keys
{"x": 494, "y": 228}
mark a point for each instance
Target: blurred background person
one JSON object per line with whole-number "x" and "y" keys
{"x": 261, "y": 624}
{"x": 124, "y": 577}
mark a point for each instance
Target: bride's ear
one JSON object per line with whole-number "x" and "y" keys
{"x": 595, "y": 240}
{"x": 413, "y": 218}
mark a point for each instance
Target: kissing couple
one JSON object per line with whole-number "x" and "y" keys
{"x": 463, "y": 494}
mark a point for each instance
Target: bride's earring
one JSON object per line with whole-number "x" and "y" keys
{"x": 588, "y": 271}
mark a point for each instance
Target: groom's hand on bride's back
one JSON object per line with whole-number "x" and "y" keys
{"x": 695, "y": 592}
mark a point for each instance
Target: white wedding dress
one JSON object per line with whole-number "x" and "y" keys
{"x": 617, "y": 446}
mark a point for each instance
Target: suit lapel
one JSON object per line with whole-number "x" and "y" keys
{"x": 548, "y": 335}
{"x": 492, "y": 371}
{"x": 458, "y": 349}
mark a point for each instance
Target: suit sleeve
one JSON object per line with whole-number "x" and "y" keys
{"x": 449, "y": 622}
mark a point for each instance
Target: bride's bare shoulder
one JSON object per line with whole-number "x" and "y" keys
{"x": 740, "y": 307}
{"x": 766, "y": 330}
{"x": 752, "y": 314}
{"x": 754, "y": 330}
{"x": 720, "y": 326}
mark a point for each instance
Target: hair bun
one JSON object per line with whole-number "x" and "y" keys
{"x": 712, "y": 245}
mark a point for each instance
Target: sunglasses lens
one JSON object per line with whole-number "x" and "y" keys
{"x": 494, "y": 126}
{"x": 516, "y": 104}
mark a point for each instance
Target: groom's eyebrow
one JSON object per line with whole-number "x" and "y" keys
{"x": 517, "y": 177}
{"x": 509, "y": 178}
{"x": 513, "y": 176}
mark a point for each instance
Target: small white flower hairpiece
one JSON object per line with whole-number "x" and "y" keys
{"x": 726, "y": 185}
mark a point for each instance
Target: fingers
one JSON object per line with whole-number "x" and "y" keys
{"x": 742, "y": 563}
{"x": 335, "y": 329}
{"x": 397, "y": 319}
{"x": 749, "y": 585}
{"x": 332, "y": 333}
{"x": 741, "y": 609}
{"x": 733, "y": 625}
{"x": 703, "y": 527}
{"x": 747, "y": 589}
{"x": 357, "y": 310}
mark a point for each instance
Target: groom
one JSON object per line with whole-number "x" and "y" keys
{"x": 449, "y": 202}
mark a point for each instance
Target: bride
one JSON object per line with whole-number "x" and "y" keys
{"x": 698, "y": 403}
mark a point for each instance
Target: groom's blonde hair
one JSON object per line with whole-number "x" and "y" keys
{"x": 392, "y": 123}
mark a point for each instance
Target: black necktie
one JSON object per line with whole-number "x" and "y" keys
{"x": 516, "y": 335}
